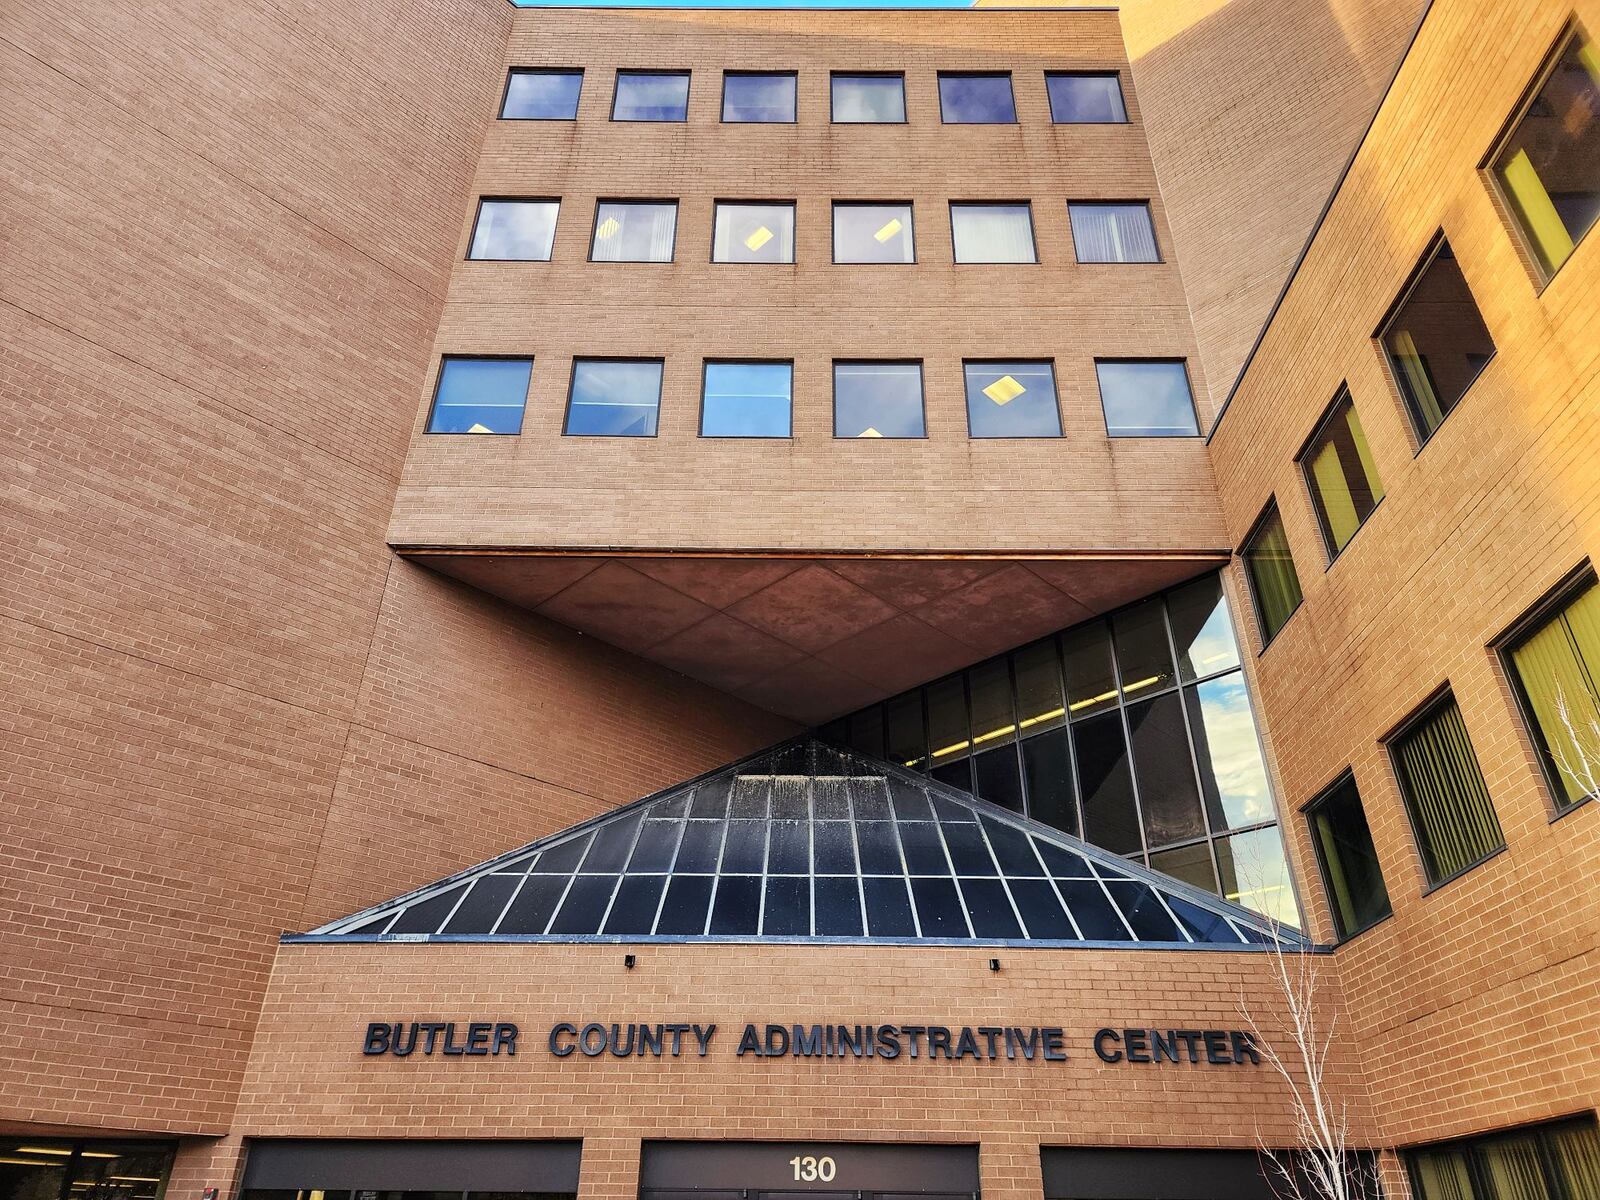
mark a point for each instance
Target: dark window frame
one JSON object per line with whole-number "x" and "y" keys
{"x": 505, "y": 92}
{"x": 688, "y": 94}
{"x": 833, "y": 229}
{"x": 1104, "y": 202}
{"x": 1467, "y": 1145}
{"x": 1055, "y": 390}
{"x": 572, "y": 378}
{"x": 1308, "y": 811}
{"x": 1033, "y": 231}
{"x": 1011, "y": 86}
{"x": 1554, "y": 601}
{"x": 1268, "y": 510}
{"x": 1089, "y": 73}
{"x": 477, "y": 215}
{"x": 922, "y": 392}
{"x": 748, "y": 361}
{"x": 1188, "y": 381}
{"x": 594, "y": 228}
{"x": 719, "y": 201}
{"x": 722, "y": 110}
{"x": 438, "y": 380}
{"x": 1341, "y": 396}
{"x": 904, "y": 105}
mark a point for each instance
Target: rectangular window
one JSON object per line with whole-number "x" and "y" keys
{"x": 869, "y": 99}
{"x": 541, "y": 94}
{"x": 753, "y": 233}
{"x": 747, "y": 400}
{"x": 1548, "y": 169}
{"x": 1085, "y": 98}
{"x": 760, "y": 97}
{"x": 1146, "y": 398}
{"x": 1340, "y": 474}
{"x": 651, "y": 96}
{"x": 992, "y": 233}
{"x": 514, "y": 230}
{"x": 1558, "y": 1161}
{"x": 1274, "y": 585}
{"x": 976, "y": 98}
{"x": 614, "y": 397}
{"x": 1113, "y": 233}
{"x": 1012, "y": 400}
{"x": 872, "y": 233}
{"x": 1436, "y": 340}
{"x": 1349, "y": 864}
{"x": 1451, "y": 814}
{"x": 878, "y": 400}
{"x": 480, "y": 395}
{"x": 1556, "y": 667}
{"x": 634, "y": 231}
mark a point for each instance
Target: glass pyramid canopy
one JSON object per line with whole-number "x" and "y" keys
{"x": 807, "y": 842}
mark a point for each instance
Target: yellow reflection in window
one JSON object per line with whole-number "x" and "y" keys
{"x": 889, "y": 230}
{"x": 608, "y": 228}
{"x": 1004, "y": 390}
{"x": 759, "y": 238}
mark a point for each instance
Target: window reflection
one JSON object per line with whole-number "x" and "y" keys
{"x": 541, "y": 95}
{"x": 1146, "y": 398}
{"x": 753, "y": 233}
{"x": 634, "y": 231}
{"x": 869, "y": 99}
{"x": 480, "y": 395}
{"x": 877, "y": 400}
{"x": 872, "y": 233}
{"x": 1085, "y": 99}
{"x": 1228, "y": 752}
{"x": 514, "y": 230}
{"x": 752, "y": 96}
{"x": 614, "y": 397}
{"x": 746, "y": 400}
{"x": 976, "y": 99}
{"x": 33, "y": 1168}
{"x": 651, "y": 96}
{"x": 992, "y": 233}
{"x": 1436, "y": 341}
{"x": 1012, "y": 400}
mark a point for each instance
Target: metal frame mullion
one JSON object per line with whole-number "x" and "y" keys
{"x": 670, "y": 873}
{"x": 855, "y": 845}
{"x": 1054, "y": 885}
{"x": 1000, "y": 874}
{"x": 961, "y": 895}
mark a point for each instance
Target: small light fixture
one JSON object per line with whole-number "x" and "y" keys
{"x": 994, "y": 964}
{"x": 628, "y": 960}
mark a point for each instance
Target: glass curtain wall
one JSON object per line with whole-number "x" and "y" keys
{"x": 1133, "y": 731}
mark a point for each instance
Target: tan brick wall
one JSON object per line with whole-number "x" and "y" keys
{"x": 677, "y": 490}
{"x": 1474, "y": 1005}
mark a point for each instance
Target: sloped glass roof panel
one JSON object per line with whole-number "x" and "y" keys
{"x": 809, "y": 842}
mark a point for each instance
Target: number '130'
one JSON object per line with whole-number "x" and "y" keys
{"x": 810, "y": 1169}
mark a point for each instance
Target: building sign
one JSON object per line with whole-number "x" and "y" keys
{"x": 982, "y": 1043}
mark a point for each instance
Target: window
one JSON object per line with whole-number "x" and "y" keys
{"x": 1082, "y": 98}
{"x": 1436, "y": 341}
{"x": 1556, "y": 667}
{"x": 480, "y": 395}
{"x": 36, "y": 1168}
{"x": 614, "y": 397}
{"x": 763, "y": 97}
{"x": 869, "y": 99}
{"x": 872, "y": 233}
{"x": 878, "y": 400}
{"x": 634, "y": 231}
{"x": 753, "y": 233}
{"x": 1339, "y": 472}
{"x": 514, "y": 230}
{"x": 747, "y": 399}
{"x": 542, "y": 95}
{"x": 1454, "y": 822}
{"x": 1558, "y": 1161}
{"x": 1012, "y": 400}
{"x": 1146, "y": 398}
{"x": 1113, "y": 233}
{"x": 651, "y": 96}
{"x": 1270, "y": 567}
{"x": 992, "y": 233}
{"x": 1349, "y": 864}
{"x": 1549, "y": 167}
{"x": 976, "y": 99}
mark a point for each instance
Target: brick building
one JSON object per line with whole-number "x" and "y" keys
{"x": 634, "y": 602}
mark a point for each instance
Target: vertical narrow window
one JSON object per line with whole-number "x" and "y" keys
{"x": 1345, "y": 855}
{"x": 1548, "y": 168}
{"x": 1436, "y": 341}
{"x": 1113, "y": 233}
{"x": 978, "y": 98}
{"x": 1012, "y": 400}
{"x": 1085, "y": 98}
{"x": 514, "y": 230}
{"x": 878, "y": 400}
{"x": 634, "y": 231}
{"x": 1451, "y": 814}
{"x": 614, "y": 397}
{"x": 1274, "y": 586}
{"x": 870, "y": 99}
{"x": 872, "y": 233}
{"x": 992, "y": 233}
{"x": 1340, "y": 475}
{"x": 651, "y": 96}
{"x": 760, "y": 97}
{"x": 746, "y": 399}
{"x": 1556, "y": 667}
{"x": 1146, "y": 398}
{"x": 480, "y": 395}
{"x": 753, "y": 233}
{"x": 541, "y": 94}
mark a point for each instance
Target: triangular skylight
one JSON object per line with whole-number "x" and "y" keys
{"x": 804, "y": 843}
